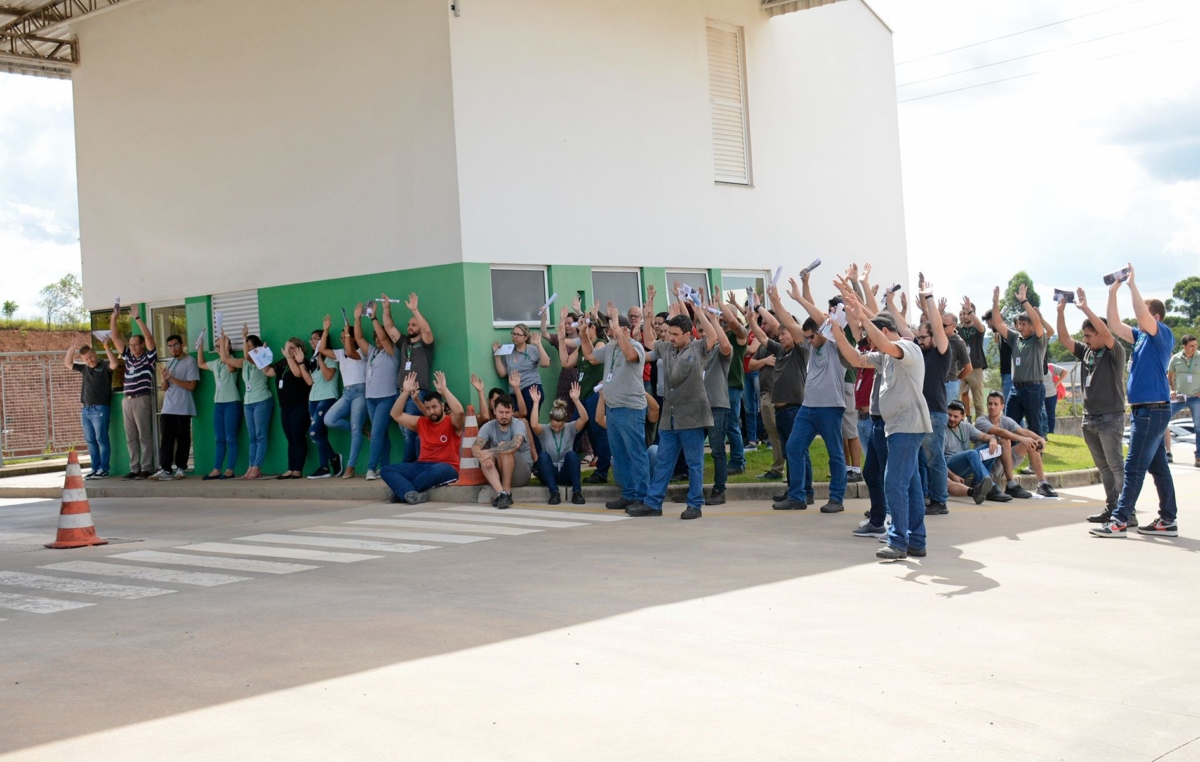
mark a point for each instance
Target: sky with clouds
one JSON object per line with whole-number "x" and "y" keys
{"x": 1088, "y": 156}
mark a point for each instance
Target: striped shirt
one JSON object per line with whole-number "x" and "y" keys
{"x": 139, "y": 371}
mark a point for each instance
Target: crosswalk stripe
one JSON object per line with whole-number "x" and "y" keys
{"x": 17, "y": 537}
{"x": 449, "y": 539}
{"x": 492, "y": 519}
{"x": 334, "y": 542}
{"x": 81, "y": 586}
{"x": 174, "y": 576}
{"x": 539, "y": 514}
{"x": 37, "y": 605}
{"x": 456, "y": 527}
{"x": 260, "y": 550}
{"x": 209, "y": 562}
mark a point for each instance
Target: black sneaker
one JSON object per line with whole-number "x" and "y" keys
{"x": 1103, "y": 517}
{"x": 619, "y": 504}
{"x": 596, "y": 478}
{"x": 788, "y": 504}
{"x": 90, "y": 474}
{"x": 780, "y": 497}
{"x": 996, "y": 496}
{"x": 555, "y": 498}
{"x": 496, "y": 500}
{"x": 142, "y": 476}
{"x": 936, "y": 509}
{"x": 917, "y": 552}
{"x": 1018, "y": 491}
{"x": 868, "y": 530}
{"x": 577, "y": 498}
{"x": 100, "y": 475}
{"x": 891, "y": 554}
{"x": 641, "y": 509}
{"x": 690, "y": 513}
{"x": 412, "y": 497}
{"x": 129, "y": 476}
{"x": 320, "y": 473}
{"x": 809, "y": 500}
{"x": 775, "y": 476}
{"x": 1161, "y": 528}
{"x": 1045, "y": 490}
{"x": 736, "y": 471}
{"x": 832, "y": 507}
{"x": 716, "y": 497}
{"x": 336, "y": 465}
{"x": 1170, "y": 458}
{"x": 980, "y": 491}
{"x": 504, "y": 500}
{"x": 853, "y": 477}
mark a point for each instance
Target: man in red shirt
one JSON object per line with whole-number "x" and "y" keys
{"x": 440, "y": 433}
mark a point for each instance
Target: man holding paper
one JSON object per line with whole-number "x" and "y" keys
{"x": 137, "y": 409}
{"x": 96, "y": 397}
{"x": 962, "y": 455}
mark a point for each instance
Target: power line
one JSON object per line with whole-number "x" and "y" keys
{"x": 1015, "y": 34}
{"x": 1045, "y": 71}
{"x": 1050, "y": 50}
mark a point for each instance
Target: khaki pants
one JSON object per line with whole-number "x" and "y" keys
{"x": 139, "y": 436}
{"x": 768, "y": 415}
{"x": 978, "y": 394}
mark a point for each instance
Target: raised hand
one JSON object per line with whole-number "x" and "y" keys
{"x": 996, "y": 296}
{"x": 514, "y": 379}
{"x": 1080, "y": 299}
{"x": 866, "y": 272}
{"x": 903, "y": 302}
{"x": 577, "y": 304}
{"x": 326, "y": 323}
{"x": 534, "y": 394}
{"x": 794, "y": 288}
{"x": 439, "y": 381}
{"x": 495, "y": 346}
{"x": 410, "y": 384}
{"x": 852, "y": 272}
{"x": 245, "y": 331}
{"x": 477, "y": 382}
{"x": 411, "y": 303}
{"x": 358, "y": 311}
{"x": 966, "y": 304}
{"x": 562, "y": 316}
{"x": 804, "y": 275}
{"x": 1022, "y": 292}
{"x": 613, "y": 315}
{"x": 942, "y": 306}
{"x": 874, "y": 289}
{"x": 535, "y": 337}
{"x": 651, "y": 292}
{"x": 1129, "y": 265}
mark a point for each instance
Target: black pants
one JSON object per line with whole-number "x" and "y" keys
{"x": 176, "y": 443}
{"x": 295, "y": 428}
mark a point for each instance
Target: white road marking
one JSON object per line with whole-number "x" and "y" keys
{"x": 334, "y": 542}
{"x": 18, "y": 538}
{"x": 81, "y": 586}
{"x": 174, "y": 576}
{"x": 36, "y": 605}
{"x": 259, "y": 550}
{"x": 492, "y": 519}
{"x": 456, "y": 527}
{"x": 232, "y": 564}
{"x": 450, "y": 539}
{"x": 535, "y": 513}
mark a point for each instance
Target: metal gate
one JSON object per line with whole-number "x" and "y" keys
{"x": 39, "y": 404}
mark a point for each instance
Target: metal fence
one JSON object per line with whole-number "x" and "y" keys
{"x": 39, "y": 404}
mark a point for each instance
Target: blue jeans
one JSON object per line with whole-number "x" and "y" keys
{"x": 1193, "y": 406}
{"x": 750, "y": 402}
{"x": 785, "y": 421}
{"x": 903, "y": 487}
{"x": 417, "y": 477}
{"x": 350, "y": 413}
{"x": 1027, "y": 403}
{"x": 733, "y": 431}
{"x": 567, "y": 472}
{"x": 598, "y": 435}
{"x": 95, "y": 420}
{"x": 810, "y": 421}
{"x": 379, "y": 410}
{"x": 226, "y": 418}
{"x": 967, "y": 463}
{"x": 933, "y": 460}
{"x": 258, "y": 423}
{"x": 864, "y": 433}
{"x": 1050, "y": 414}
{"x": 1006, "y": 384}
{"x": 412, "y": 443}
{"x": 952, "y": 388}
{"x": 627, "y": 439}
{"x": 716, "y": 443}
{"x": 875, "y": 461}
{"x": 1147, "y": 453}
{"x": 318, "y": 432}
{"x": 691, "y": 443}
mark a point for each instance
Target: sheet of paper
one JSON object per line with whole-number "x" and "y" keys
{"x": 200, "y": 338}
{"x": 218, "y": 323}
{"x": 985, "y": 455}
{"x": 345, "y": 320}
{"x": 775, "y": 278}
{"x": 549, "y": 301}
{"x": 505, "y": 349}
{"x": 262, "y": 356}
{"x": 102, "y": 336}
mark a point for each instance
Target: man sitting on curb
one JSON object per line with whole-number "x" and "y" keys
{"x": 502, "y": 447}
{"x": 440, "y": 436}
{"x": 962, "y": 457}
{"x": 1018, "y": 443}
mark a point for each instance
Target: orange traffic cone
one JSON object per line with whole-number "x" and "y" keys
{"x": 469, "y": 473}
{"x": 75, "y": 528}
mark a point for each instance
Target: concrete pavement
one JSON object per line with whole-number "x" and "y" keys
{"x": 750, "y": 634}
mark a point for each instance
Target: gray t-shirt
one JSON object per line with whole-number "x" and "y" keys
{"x": 685, "y": 404}
{"x": 525, "y": 362}
{"x": 381, "y": 374}
{"x": 825, "y": 386}
{"x": 494, "y": 435}
{"x": 960, "y": 356}
{"x": 178, "y": 401}
{"x": 1103, "y": 378}
{"x": 985, "y": 424}
{"x": 622, "y": 379}
{"x": 1027, "y": 356}
{"x": 556, "y": 445}
{"x": 716, "y": 377}
{"x": 898, "y": 383}
{"x": 961, "y": 438}
{"x": 791, "y": 373}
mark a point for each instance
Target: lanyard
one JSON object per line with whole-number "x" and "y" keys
{"x": 962, "y": 438}
{"x": 558, "y": 438}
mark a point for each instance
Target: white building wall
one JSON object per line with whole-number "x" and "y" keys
{"x": 583, "y": 135}
{"x": 225, "y": 145}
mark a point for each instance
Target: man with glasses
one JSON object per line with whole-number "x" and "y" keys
{"x": 180, "y": 375}
{"x": 935, "y": 349}
{"x": 137, "y": 408}
{"x": 1184, "y": 376}
{"x": 415, "y": 350}
{"x": 973, "y": 331}
{"x": 1028, "y": 341}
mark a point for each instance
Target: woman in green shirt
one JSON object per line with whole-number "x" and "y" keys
{"x": 227, "y": 410}
{"x": 258, "y": 402}
{"x": 324, "y": 392}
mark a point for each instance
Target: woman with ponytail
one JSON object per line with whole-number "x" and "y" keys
{"x": 557, "y": 460}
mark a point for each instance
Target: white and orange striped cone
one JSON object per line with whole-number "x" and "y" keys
{"x": 469, "y": 473}
{"x": 75, "y": 527}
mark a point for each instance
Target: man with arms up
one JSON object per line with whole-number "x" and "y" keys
{"x": 137, "y": 409}
{"x": 1102, "y": 374}
{"x": 938, "y": 358}
{"x": 972, "y": 330}
{"x": 763, "y": 361}
{"x": 1028, "y": 341}
{"x": 1150, "y": 399}
{"x": 502, "y": 447}
{"x": 415, "y": 350}
{"x": 440, "y": 432}
{"x": 96, "y": 398}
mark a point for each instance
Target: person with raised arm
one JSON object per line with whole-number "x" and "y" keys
{"x": 898, "y": 396}
{"x": 349, "y": 413}
{"x": 591, "y": 380}
{"x": 935, "y": 350}
{"x": 139, "y": 355}
{"x": 766, "y": 328}
{"x": 324, "y": 393}
{"x": 414, "y": 347}
{"x": 295, "y": 385}
{"x": 973, "y": 332}
{"x": 382, "y": 389}
{"x": 440, "y": 428}
{"x": 1149, "y": 398}
{"x": 1028, "y": 341}
{"x": 257, "y": 404}
{"x": 716, "y": 387}
{"x": 528, "y": 357}
{"x": 95, "y": 397}
{"x": 558, "y": 463}
{"x": 227, "y": 408}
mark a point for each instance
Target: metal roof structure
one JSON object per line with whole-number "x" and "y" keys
{"x": 36, "y": 36}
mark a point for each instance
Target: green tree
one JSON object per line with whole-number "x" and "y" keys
{"x": 10, "y": 309}
{"x": 1008, "y": 303}
{"x": 1187, "y": 299}
{"x": 63, "y": 299}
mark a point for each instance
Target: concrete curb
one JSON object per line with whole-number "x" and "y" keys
{"x": 40, "y": 467}
{"x": 359, "y": 490}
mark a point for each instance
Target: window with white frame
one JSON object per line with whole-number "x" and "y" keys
{"x": 621, "y": 287}
{"x": 727, "y": 103}
{"x": 230, "y": 312}
{"x": 735, "y": 283}
{"x": 697, "y": 279}
{"x": 517, "y": 295}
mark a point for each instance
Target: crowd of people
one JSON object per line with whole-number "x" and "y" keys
{"x": 641, "y": 393}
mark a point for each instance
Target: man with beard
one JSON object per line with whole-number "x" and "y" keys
{"x": 414, "y": 349}
{"x": 1018, "y": 443}
{"x": 441, "y": 441}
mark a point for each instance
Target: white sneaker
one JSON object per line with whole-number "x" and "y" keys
{"x": 163, "y": 475}
{"x": 371, "y": 475}
{"x": 179, "y": 474}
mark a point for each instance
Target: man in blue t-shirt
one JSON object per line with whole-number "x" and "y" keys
{"x": 1150, "y": 400}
